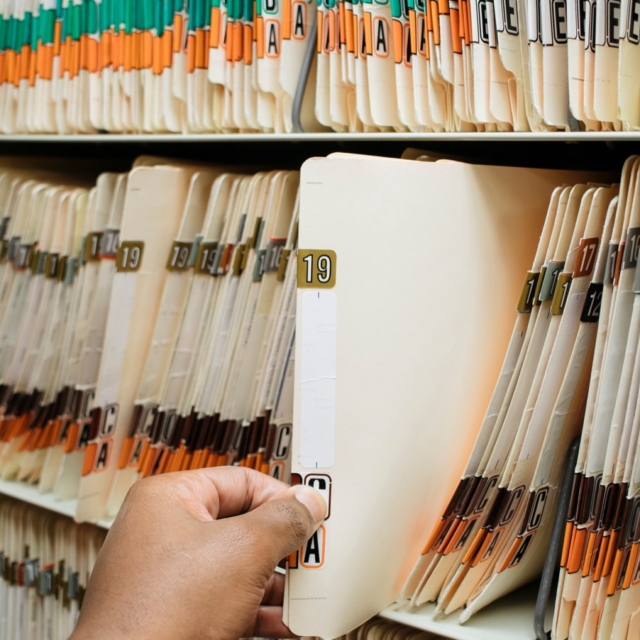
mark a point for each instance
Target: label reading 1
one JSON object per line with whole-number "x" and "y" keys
{"x": 316, "y": 269}
{"x": 528, "y": 295}
{"x": 610, "y": 269}
{"x": 92, "y": 246}
{"x": 109, "y": 244}
{"x": 631, "y": 247}
{"x": 554, "y": 269}
{"x": 561, "y": 294}
{"x": 129, "y": 257}
{"x": 591, "y": 309}
{"x": 179, "y": 256}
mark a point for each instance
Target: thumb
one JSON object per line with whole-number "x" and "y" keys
{"x": 286, "y": 522}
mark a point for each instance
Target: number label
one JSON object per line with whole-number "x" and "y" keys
{"x": 206, "y": 260}
{"x": 179, "y": 256}
{"x": 592, "y": 303}
{"x": 92, "y": 246}
{"x": 586, "y": 258}
{"x": 561, "y": 294}
{"x": 528, "y": 295}
{"x": 316, "y": 269}
{"x": 129, "y": 257}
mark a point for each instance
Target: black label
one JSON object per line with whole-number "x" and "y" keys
{"x": 592, "y": 303}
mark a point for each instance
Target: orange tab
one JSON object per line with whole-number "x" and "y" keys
{"x": 397, "y": 41}
{"x": 186, "y": 462}
{"x": 125, "y": 453}
{"x": 157, "y": 55}
{"x": 191, "y": 54}
{"x": 633, "y": 559}
{"x": 116, "y": 51}
{"x": 588, "y": 556}
{"x": 615, "y": 572}
{"x": 611, "y": 554}
{"x": 566, "y": 543}
{"x": 478, "y": 542}
{"x": 93, "y": 55}
{"x": 72, "y": 437}
{"x": 127, "y": 51}
{"x": 146, "y": 49}
{"x": 577, "y": 550}
{"x": 178, "y": 26}
{"x": 602, "y": 554}
{"x": 214, "y": 40}
{"x": 89, "y": 458}
{"x": 167, "y": 49}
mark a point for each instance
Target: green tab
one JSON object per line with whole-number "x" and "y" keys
{"x": 3, "y": 34}
{"x": 47, "y": 26}
{"x": 92, "y": 18}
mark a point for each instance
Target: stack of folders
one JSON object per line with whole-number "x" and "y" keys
{"x": 572, "y": 367}
{"x": 147, "y": 326}
{"x": 47, "y": 560}
{"x": 222, "y": 65}
{"x": 409, "y": 274}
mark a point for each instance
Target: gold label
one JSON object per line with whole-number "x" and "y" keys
{"x": 282, "y": 264}
{"x": 528, "y": 295}
{"x": 317, "y": 268}
{"x": 561, "y": 294}
{"x": 179, "y": 256}
{"x": 206, "y": 258}
{"x": 92, "y": 246}
{"x": 52, "y": 266}
{"x": 129, "y": 256}
{"x": 239, "y": 259}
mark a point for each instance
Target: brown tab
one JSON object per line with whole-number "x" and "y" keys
{"x": 586, "y": 257}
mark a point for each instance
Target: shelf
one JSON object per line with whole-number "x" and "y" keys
{"x": 29, "y": 493}
{"x": 510, "y": 618}
{"x": 547, "y": 136}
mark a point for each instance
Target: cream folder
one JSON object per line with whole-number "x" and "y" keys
{"x": 386, "y": 401}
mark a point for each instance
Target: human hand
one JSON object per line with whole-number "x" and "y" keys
{"x": 192, "y": 555}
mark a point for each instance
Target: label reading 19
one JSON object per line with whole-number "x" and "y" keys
{"x": 129, "y": 257}
{"x": 179, "y": 256}
{"x": 316, "y": 268}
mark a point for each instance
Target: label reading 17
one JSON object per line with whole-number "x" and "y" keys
{"x": 316, "y": 269}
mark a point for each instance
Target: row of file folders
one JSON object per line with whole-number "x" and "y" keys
{"x": 81, "y": 66}
{"x": 455, "y": 326}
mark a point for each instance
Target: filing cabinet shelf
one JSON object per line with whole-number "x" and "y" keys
{"x": 29, "y": 493}
{"x": 510, "y": 618}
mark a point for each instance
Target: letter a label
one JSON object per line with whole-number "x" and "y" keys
{"x": 103, "y": 455}
{"x": 312, "y": 554}
{"x": 381, "y": 38}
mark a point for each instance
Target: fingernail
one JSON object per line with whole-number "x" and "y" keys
{"x": 314, "y": 501}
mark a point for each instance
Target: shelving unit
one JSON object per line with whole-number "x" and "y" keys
{"x": 29, "y": 493}
{"x": 510, "y": 618}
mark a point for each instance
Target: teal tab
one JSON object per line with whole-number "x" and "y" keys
{"x": 396, "y": 9}
{"x": 91, "y": 17}
{"x": 47, "y": 26}
{"x": 129, "y": 16}
{"x": 3, "y": 34}
{"x": 76, "y": 21}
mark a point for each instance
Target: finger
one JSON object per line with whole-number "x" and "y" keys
{"x": 283, "y": 524}
{"x": 274, "y": 591}
{"x": 268, "y": 624}
{"x": 220, "y": 492}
